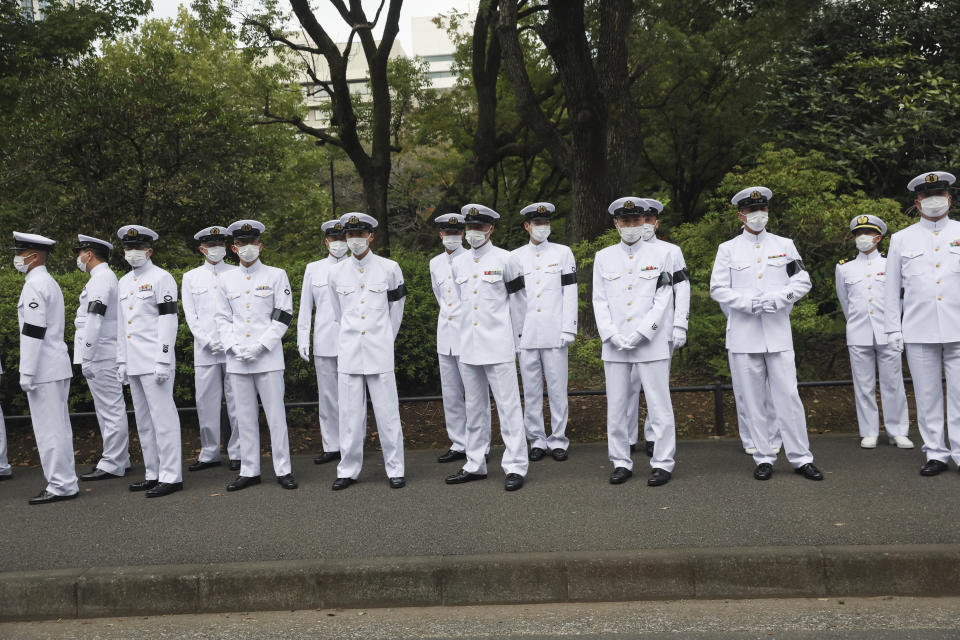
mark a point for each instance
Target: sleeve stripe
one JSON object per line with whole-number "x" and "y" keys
{"x": 397, "y": 294}
{"x": 33, "y": 331}
{"x": 515, "y": 285}
{"x": 665, "y": 280}
{"x": 166, "y": 308}
{"x": 794, "y": 267}
{"x": 97, "y": 307}
{"x": 281, "y": 316}
{"x": 568, "y": 278}
{"x": 680, "y": 276}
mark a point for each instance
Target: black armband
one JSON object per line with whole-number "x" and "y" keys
{"x": 97, "y": 308}
{"x": 794, "y": 267}
{"x": 568, "y": 278}
{"x": 281, "y": 316}
{"x": 515, "y": 285}
{"x": 397, "y": 294}
{"x": 680, "y": 276}
{"x": 33, "y": 331}
{"x": 167, "y": 308}
{"x": 665, "y": 280}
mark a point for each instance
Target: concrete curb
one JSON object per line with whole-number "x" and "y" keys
{"x": 605, "y": 576}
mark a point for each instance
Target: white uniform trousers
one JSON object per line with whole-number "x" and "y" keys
{"x": 864, "y": 363}
{"x": 765, "y": 386}
{"x": 4, "y": 463}
{"x": 212, "y": 385}
{"x": 535, "y": 365}
{"x": 51, "y": 427}
{"x": 633, "y": 411}
{"x": 353, "y": 422}
{"x": 454, "y": 403}
{"x": 927, "y": 361}
{"x": 622, "y": 394}
{"x": 328, "y": 410}
{"x": 501, "y": 379}
{"x": 111, "y": 411}
{"x": 158, "y": 425}
{"x": 270, "y": 388}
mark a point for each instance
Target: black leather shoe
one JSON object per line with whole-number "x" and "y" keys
{"x": 200, "y": 466}
{"x": 164, "y": 489}
{"x": 452, "y": 455}
{"x": 620, "y": 475}
{"x": 464, "y": 476}
{"x": 513, "y": 482}
{"x": 98, "y": 474}
{"x": 536, "y": 454}
{"x": 763, "y": 471}
{"x": 242, "y": 482}
{"x": 810, "y": 472}
{"x": 326, "y": 456}
{"x": 559, "y": 454}
{"x": 658, "y": 477}
{"x": 397, "y": 483}
{"x": 287, "y": 481}
{"x": 144, "y": 485}
{"x": 45, "y": 497}
{"x": 633, "y": 447}
{"x": 6, "y": 476}
{"x": 933, "y": 468}
{"x": 649, "y": 448}
{"x": 342, "y": 483}
{"x": 234, "y": 465}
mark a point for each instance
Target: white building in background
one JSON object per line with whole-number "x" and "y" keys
{"x": 35, "y": 9}
{"x": 434, "y": 45}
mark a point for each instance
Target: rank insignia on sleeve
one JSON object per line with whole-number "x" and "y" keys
{"x": 167, "y": 298}
{"x": 166, "y": 348}
{"x": 33, "y": 305}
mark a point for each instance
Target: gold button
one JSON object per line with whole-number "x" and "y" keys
{"x": 538, "y": 268}
{"x": 476, "y": 259}
{"x": 128, "y": 336}
{"x": 248, "y": 320}
{"x": 214, "y": 286}
{"x": 474, "y": 275}
{"x": 248, "y": 335}
{"x": 362, "y": 286}
{"x": 131, "y": 307}
{"x": 757, "y": 246}
{"x": 134, "y": 279}
{"x": 363, "y": 333}
{"x": 630, "y": 288}
{"x": 631, "y": 257}
{"x": 629, "y": 319}
{"x": 248, "y": 305}
{"x": 871, "y": 311}
{"x": 939, "y": 298}
{"x": 361, "y": 270}
{"x": 449, "y": 304}
{"x": 538, "y": 282}
{"x": 248, "y": 277}
{"x": 474, "y": 292}
{"x": 248, "y": 290}
{"x": 869, "y": 263}
{"x": 538, "y": 310}
{"x": 538, "y": 295}
{"x": 363, "y": 317}
{"x": 938, "y": 265}
{"x": 362, "y": 301}
{"x": 760, "y": 277}
{"x": 868, "y": 275}
{"x": 129, "y": 321}
{"x": 449, "y": 317}
{"x": 538, "y": 255}
{"x": 938, "y": 282}
{"x": 936, "y": 233}
{"x": 131, "y": 293}
{"x": 870, "y": 300}
{"x": 449, "y": 290}
{"x": 936, "y": 248}
{"x": 475, "y": 307}
{"x": 216, "y": 275}
{"x": 630, "y": 303}
{"x": 870, "y": 287}
{"x": 759, "y": 260}
{"x": 474, "y": 324}
{"x": 629, "y": 270}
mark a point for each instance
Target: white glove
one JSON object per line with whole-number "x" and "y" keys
{"x": 253, "y": 351}
{"x": 567, "y": 339}
{"x": 162, "y": 372}
{"x": 679, "y": 337}
{"x": 122, "y": 374}
{"x": 87, "y": 368}
{"x": 215, "y": 346}
{"x": 304, "y": 350}
{"x": 635, "y": 339}
{"x": 895, "y": 341}
{"x": 769, "y": 305}
{"x": 618, "y": 341}
{"x": 26, "y": 382}
{"x": 757, "y": 306}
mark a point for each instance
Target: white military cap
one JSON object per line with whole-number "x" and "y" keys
{"x": 216, "y": 233}
{"x": 538, "y": 210}
{"x": 478, "y": 213}
{"x": 333, "y": 227}
{"x": 751, "y": 196}
{"x": 356, "y": 220}
{"x": 246, "y": 229}
{"x": 653, "y": 206}
{"x": 89, "y": 242}
{"x": 627, "y": 206}
{"x": 450, "y": 222}
{"x": 868, "y": 222}
{"x": 932, "y": 181}
{"x": 135, "y": 234}
{"x": 32, "y": 241}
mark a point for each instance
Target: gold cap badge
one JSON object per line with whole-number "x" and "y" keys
{"x": 353, "y": 220}
{"x": 863, "y": 220}
{"x": 246, "y": 227}
{"x": 932, "y": 178}
{"x": 215, "y": 231}
{"x": 541, "y": 209}
{"x": 132, "y": 233}
{"x": 756, "y": 195}
{"x": 628, "y": 205}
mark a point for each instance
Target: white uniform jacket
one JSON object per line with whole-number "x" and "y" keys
{"x": 316, "y": 298}
{"x": 255, "y": 306}
{"x": 861, "y": 286}
{"x": 368, "y": 304}
{"x": 147, "y": 319}
{"x": 550, "y": 281}
{"x": 924, "y": 264}
{"x": 40, "y": 313}
{"x": 633, "y": 291}
{"x": 753, "y": 266}
{"x": 201, "y": 295}
{"x": 448, "y": 297}
{"x": 490, "y": 285}
{"x": 95, "y": 338}
{"x": 681, "y": 285}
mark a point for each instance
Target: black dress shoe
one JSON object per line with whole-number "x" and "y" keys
{"x": 559, "y": 454}
{"x": 200, "y": 466}
{"x": 287, "y": 481}
{"x": 342, "y": 483}
{"x": 452, "y": 455}
{"x": 99, "y": 474}
{"x": 513, "y": 482}
{"x": 933, "y": 468}
{"x": 649, "y": 447}
{"x": 620, "y": 475}
{"x": 144, "y": 485}
{"x": 234, "y": 465}
{"x": 164, "y": 489}
{"x": 326, "y": 456}
{"x": 658, "y": 477}
{"x": 464, "y": 476}
{"x": 397, "y": 483}
{"x": 6, "y": 476}
{"x": 763, "y": 471}
{"x": 45, "y": 497}
{"x": 536, "y": 454}
{"x": 633, "y": 447}
{"x": 242, "y": 482}
{"x": 810, "y": 472}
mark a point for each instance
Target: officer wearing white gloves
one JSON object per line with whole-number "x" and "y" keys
{"x": 633, "y": 306}
{"x": 448, "y": 336}
{"x": 254, "y": 310}
{"x": 201, "y": 293}
{"x": 490, "y": 286}
{"x": 860, "y": 289}
{"x": 758, "y": 277}
{"x": 549, "y": 328}
{"x": 923, "y": 266}
{"x": 95, "y": 350}
{"x": 45, "y": 366}
{"x": 146, "y": 337}
{"x": 368, "y": 301}
{"x": 315, "y": 300}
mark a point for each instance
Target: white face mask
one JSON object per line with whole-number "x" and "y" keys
{"x": 135, "y": 257}
{"x": 630, "y": 234}
{"x": 337, "y": 248}
{"x": 757, "y": 220}
{"x": 865, "y": 243}
{"x": 357, "y": 246}
{"x": 935, "y": 206}
{"x": 540, "y": 233}
{"x": 216, "y": 254}
{"x": 81, "y": 264}
{"x": 20, "y": 263}
{"x": 249, "y": 252}
{"x": 475, "y": 238}
{"x": 647, "y": 231}
{"x": 452, "y": 243}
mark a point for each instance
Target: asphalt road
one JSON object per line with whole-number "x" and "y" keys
{"x": 868, "y": 497}
{"x": 793, "y": 619}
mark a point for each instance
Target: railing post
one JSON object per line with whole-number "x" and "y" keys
{"x": 718, "y": 407}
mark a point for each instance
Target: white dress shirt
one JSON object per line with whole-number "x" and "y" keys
{"x": 95, "y": 338}
{"x": 147, "y": 319}
{"x": 550, "y": 281}
{"x": 40, "y": 314}
{"x": 201, "y": 294}
{"x": 861, "y": 285}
